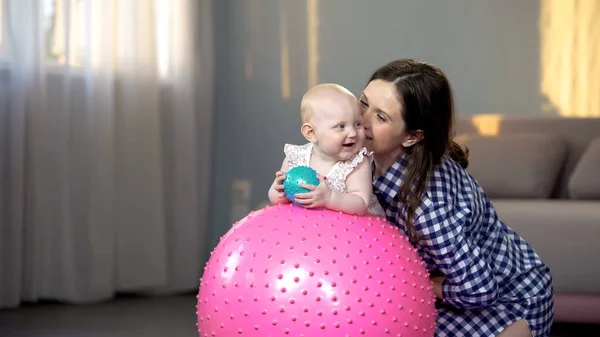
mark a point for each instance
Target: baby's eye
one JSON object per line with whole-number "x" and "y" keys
{"x": 341, "y": 126}
{"x": 358, "y": 125}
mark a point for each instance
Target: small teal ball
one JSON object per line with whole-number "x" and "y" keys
{"x": 295, "y": 177}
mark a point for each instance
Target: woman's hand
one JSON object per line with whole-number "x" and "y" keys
{"x": 437, "y": 286}
{"x": 319, "y": 196}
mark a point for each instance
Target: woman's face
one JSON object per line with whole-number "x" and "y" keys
{"x": 385, "y": 130}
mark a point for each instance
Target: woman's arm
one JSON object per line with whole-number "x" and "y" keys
{"x": 468, "y": 281}
{"x": 437, "y": 286}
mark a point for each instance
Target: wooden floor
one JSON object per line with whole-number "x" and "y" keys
{"x": 132, "y": 316}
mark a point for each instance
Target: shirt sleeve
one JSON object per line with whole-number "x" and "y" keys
{"x": 470, "y": 282}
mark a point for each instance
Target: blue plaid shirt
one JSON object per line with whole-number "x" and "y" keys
{"x": 485, "y": 262}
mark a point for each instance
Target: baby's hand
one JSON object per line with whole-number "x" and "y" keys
{"x": 319, "y": 196}
{"x": 279, "y": 178}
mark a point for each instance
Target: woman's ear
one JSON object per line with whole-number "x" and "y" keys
{"x": 413, "y": 138}
{"x": 309, "y": 132}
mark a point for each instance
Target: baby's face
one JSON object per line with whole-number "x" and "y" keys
{"x": 338, "y": 126}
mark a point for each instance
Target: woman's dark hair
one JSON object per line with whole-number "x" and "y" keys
{"x": 425, "y": 95}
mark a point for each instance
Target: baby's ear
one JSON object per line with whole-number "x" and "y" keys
{"x": 309, "y": 132}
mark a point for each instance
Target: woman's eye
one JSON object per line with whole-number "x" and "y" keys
{"x": 364, "y": 104}
{"x": 380, "y": 117}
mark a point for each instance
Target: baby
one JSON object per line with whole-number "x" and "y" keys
{"x": 331, "y": 122}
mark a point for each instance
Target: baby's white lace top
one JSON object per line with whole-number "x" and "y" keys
{"x": 299, "y": 155}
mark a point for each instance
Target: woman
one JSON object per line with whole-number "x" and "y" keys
{"x": 488, "y": 280}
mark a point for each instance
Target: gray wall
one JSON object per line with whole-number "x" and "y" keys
{"x": 489, "y": 49}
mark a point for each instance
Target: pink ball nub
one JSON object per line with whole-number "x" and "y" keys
{"x": 289, "y": 271}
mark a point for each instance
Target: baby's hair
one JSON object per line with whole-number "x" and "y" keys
{"x": 306, "y": 108}
{"x": 305, "y": 111}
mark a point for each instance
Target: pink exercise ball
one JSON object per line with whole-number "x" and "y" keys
{"x": 289, "y": 271}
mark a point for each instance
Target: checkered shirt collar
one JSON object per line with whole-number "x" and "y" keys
{"x": 388, "y": 184}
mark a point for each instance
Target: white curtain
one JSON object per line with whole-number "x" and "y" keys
{"x": 105, "y": 115}
{"x": 569, "y": 52}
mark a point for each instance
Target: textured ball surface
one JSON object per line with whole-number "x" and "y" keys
{"x": 295, "y": 177}
{"x": 288, "y": 271}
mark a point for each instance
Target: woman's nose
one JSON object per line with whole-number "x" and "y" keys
{"x": 366, "y": 120}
